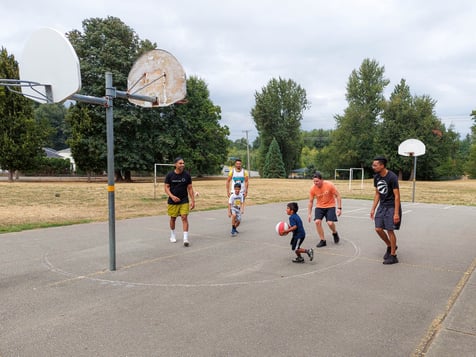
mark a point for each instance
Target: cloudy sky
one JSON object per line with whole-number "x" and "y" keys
{"x": 238, "y": 46}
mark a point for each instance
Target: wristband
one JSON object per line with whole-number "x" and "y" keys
{"x": 339, "y": 208}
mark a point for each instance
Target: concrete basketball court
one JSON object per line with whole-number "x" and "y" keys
{"x": 242, "y": 296}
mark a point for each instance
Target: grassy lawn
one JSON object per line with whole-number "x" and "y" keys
{"x": 27, "y": 205}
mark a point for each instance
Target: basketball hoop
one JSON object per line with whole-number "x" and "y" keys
{"x": 156, "y": 74}
{"x": 50, "y": 73}
{"x": 50, "y": 59}
{"x": 412, "y": 148}
{"x": 44, "y": 95}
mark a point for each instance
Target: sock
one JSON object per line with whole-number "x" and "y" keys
{"x": 185, "y": 235}
{"x": 172, "y": 233}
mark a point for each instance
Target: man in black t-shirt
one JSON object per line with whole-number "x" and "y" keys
{"x": 389, "y": 212}
{"x": 178, "y": 186}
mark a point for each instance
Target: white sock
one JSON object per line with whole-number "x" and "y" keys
{"x": 172, "y": 233}
{"x": 185, "y": 235}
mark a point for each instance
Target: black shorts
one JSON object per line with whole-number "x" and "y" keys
{"x": 384, "y": 218}
{"x": 296, "y": 242}
{"x": 329, "y": 213}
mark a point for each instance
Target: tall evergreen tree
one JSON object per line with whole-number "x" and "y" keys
{"x": 274, "y": 165}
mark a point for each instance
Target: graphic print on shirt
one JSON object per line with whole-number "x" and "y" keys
{"x": 382, "y": 187}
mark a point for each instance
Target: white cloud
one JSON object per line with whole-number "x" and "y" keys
{"x": 238, "y": 46}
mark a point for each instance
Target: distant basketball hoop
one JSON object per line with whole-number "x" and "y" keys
{"x": 413, "y": 148}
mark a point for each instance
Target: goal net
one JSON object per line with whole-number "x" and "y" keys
{"x": 351, "y": 175}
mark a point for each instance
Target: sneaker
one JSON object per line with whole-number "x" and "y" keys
{"x": 392, "y": 259}
{"x": 233, "y": 232}
{"x": 186, "y": 243}
{"x": 173, "y": 240}
{"x": 310, "y": 254}
{"x": 322, "y": 243}
{"x": 236, "y": 231}
{"x": 298, "y": 260}
{"x": 336, "y": 237}
{"x": 387, "y": 253}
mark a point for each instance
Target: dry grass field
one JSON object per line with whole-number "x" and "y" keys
{"x": 26, "y": 204}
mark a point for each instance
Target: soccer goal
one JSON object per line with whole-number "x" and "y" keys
{"x": 155, "y": 177}
{"x": 350, "y": 174}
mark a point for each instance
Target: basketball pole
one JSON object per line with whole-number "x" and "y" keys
{"x": 414, "y": 176}
{"x": 110, "y": 94}
{"x": 157, "y": 62}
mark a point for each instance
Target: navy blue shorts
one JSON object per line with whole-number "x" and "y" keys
{"x": 296, "y": 242}
{"x": 329, "y": 213}
{"x": 384, "y": 218}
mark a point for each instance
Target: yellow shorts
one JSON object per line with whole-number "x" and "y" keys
{"x": 178, "y": 210}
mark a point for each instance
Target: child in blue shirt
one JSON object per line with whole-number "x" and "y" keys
{"x": 299, "y": 234}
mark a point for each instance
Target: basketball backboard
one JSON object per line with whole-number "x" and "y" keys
{"x": 49, "y": 59}
{"x": 411, "y": 147}
{"x": 160, "y": 75}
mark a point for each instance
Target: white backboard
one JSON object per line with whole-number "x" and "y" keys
{"x": 411, "y": 147}
{"x": 48, "y": 58}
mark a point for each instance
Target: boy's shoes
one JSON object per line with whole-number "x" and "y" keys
{"x": 392, "y": 259}
{"x": 236, "y": 231}
{"x": 387, "y": 253}
{"x": 298, "y": 260}
{"x": 336, "y": 237}
{"x": 233, "y": 232}
{"x": 322, "y": 243}
{"x": 310, "y": 254}
{"x": 173, "y": 240}
{"x": 186, "y": 243}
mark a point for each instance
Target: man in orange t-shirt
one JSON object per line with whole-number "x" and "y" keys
{"x": 326, "y": 195}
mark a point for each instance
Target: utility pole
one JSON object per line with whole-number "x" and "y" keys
{"x": 248, "y": 150}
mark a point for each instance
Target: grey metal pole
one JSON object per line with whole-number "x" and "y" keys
{"x": 248, "y": 151}
{"x": 414, "y": 177}
{"x": 110, "y": 94}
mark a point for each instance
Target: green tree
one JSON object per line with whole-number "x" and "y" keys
{"x": 21, "y": 136}
{"x": 108, "y": 45}
{"x": 143, "y": 136}
{"x": 470, "y": 164}
{"x": 88, "y": 152}
{"x": 352, "y": 143}
{"x": 316, "y": 138}
{"x": 413, "y": 117}
{"x": 197, "y": 133}
{"x": 432, "y": 132}
{"x": 274, "y": 165}
{"x": 277, "y": 114}
{"x": 54, "y": 115}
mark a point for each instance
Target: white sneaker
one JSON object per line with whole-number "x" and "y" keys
{"x": 173, "y": 240}
{"x": 186, "y": 243}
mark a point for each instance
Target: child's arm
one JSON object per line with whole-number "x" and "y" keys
{"x": 290, "y": 229}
